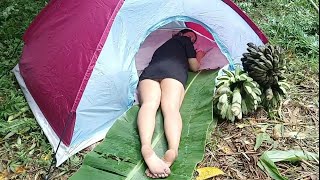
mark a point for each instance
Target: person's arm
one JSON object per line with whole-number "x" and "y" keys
{"x": 194, "y": 63}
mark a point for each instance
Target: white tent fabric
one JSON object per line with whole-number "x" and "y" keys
{"x": 112, "y": 84}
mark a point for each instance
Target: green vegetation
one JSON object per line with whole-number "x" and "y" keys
{"x": 24, "y": 149}
{"x": 236, "y": 148}
{"x": 292, "y": 24}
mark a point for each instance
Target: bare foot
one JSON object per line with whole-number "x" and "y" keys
{"x": 157, "y": 168}
{"x": 169, "y": 157}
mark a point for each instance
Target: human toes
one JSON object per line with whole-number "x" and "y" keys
{"x": 167, "y": 171}
{"x": 163, "y": 175}
{"x": 156, "y": 166}
{"x": 149, "y": 174}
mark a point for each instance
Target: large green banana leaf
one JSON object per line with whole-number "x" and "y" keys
{"x": 118, "y": 156}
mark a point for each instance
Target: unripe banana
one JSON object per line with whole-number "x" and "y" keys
{"x": 236, "y": 96}
{"x": 268, "y": 51}
{"x": 252, "y": 45}
{"x": 261, "y": 48}
{"x": 262, "y": 66}
{"x": 244, "y": 108}
{"x": 224, "y": 110}
{"x": 223, "y": 90}
{"x": 269, "y": 57}
{"x": 236, "y": 109}
{"x": 271, "y": 48}
{"x": 223, "y": 99}
{"x": 228, "y": 73}
{"x": 267, "y": 62}
{"x": 276, "y": 60}
{"x": 252, "y": 50}
{"x": 222, "y": 83}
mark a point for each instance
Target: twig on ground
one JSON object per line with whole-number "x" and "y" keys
{"x": 239, "y": 153}
{"x": 245, "y": 155}
{"x": 257, "y": 119}
{"x": 231, "y": 136}
{"x": 212, "y": 156}
{"x": 308, "y": 175}
{"x": 307, "y": 163}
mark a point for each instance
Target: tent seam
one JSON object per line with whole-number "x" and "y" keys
{"x": 93, "y": 60}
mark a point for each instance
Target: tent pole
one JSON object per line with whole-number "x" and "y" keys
{"x": 47, "y": 176}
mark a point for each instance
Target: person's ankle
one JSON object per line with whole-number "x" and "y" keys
{"x": 146, "y": 146}
{"x": 175, "y": 152}
{"x": 146, "y": 151}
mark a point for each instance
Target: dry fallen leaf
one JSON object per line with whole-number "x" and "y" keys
{"x": 4, "y": 175}
{"x": 208, "y": 172}
{"x": 47, "y": 157}
{"x": 20, "y": 170}
{"x": 252, "y": 122}
{"x": 278, "y": 131}
{"x": 240, "y": 126}
{"x": 226, "y": 149}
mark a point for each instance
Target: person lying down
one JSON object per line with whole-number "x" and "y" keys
{"x": 163, "y": 83}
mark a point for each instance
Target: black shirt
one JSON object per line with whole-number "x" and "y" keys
{"x": 171, "y": 60}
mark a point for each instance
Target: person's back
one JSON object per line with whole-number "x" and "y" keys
{"x": 171, "y": 60}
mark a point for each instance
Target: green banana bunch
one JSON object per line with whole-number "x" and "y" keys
{"x": 236, "y": 94}
{"x": 265, "y": 64}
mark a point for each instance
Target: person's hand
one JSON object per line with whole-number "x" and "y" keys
{"x": 200, "y": 55}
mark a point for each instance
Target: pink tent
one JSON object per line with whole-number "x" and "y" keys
{"x": 81, "y": 60}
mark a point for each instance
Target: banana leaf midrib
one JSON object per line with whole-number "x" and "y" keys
{"x": 156, "y": 140}
{"x": 123, "y": 141}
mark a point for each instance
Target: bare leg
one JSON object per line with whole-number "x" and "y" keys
{"x": 172, "y": 94}
{"x": 150, "y": 94}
